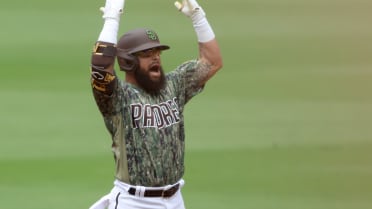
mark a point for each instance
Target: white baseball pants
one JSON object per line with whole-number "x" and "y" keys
{"x": 119, "y": 198}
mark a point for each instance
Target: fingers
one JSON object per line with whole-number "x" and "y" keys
{"x": 178, "y": 5}
{"x": 190, "y": 5}
{"x": 185, "y": 3}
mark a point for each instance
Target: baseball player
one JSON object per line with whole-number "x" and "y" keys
{"x": 144, "y": 112}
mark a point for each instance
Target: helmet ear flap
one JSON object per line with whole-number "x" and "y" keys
{"x": 127, "y": 62}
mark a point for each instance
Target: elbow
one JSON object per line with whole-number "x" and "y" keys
{"x": 218, "y": 64}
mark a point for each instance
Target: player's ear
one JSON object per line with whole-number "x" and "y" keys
{"x": 124, "y": 64}
{"x": 121, "y": 61}
{"x": 128, "y": 62}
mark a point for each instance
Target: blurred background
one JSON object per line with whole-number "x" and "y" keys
{"x": 286, "y": 124}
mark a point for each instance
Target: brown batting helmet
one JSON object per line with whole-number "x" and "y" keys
{"x": 135, "y": 41}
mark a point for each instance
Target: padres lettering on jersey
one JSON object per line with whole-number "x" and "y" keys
{"x": 159, "y": 115}
{"x": 148, "y": 138}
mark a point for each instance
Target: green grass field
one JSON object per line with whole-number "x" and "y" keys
{"x": 286, "y": 124}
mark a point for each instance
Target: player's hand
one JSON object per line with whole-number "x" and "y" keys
{"x": 189, "y": 7}
{"x": 113, "y": 9}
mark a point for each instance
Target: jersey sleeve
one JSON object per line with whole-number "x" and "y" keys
{"x": 107, "y": 94}
{"x": 187, "y": 78}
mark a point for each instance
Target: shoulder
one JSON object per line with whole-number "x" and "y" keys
{"x": 184, "y": 67}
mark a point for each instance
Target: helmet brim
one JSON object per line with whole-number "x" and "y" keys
{"x": 147, "y": 46}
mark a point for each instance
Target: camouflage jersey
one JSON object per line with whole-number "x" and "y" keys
{"x": 148, "y": 137}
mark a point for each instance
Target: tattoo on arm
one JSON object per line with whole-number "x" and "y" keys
{"x": 203, "y": 72}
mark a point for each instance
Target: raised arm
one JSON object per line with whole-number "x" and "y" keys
{"x": 104, "y": 52}
{"x": 210, "y": 59}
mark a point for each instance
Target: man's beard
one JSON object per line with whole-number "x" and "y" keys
{"x": 145, "y": 82}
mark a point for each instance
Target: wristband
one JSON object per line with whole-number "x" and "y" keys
{"x": 204, "y": 31}
{"x": 109, "y": 31}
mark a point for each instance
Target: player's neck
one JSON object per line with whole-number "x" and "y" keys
{"x": 129, "y": 77}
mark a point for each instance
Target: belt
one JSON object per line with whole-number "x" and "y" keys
{"x": 166, "y": 193}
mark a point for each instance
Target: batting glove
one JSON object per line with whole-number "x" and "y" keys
{"x": 113, "y": 9}
{"x": 193, "y": 10}
{"x": 111, "y": 14}
{"x": 189, "y": 8}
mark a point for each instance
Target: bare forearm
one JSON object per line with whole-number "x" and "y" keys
{"x": 210, "y": 60}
